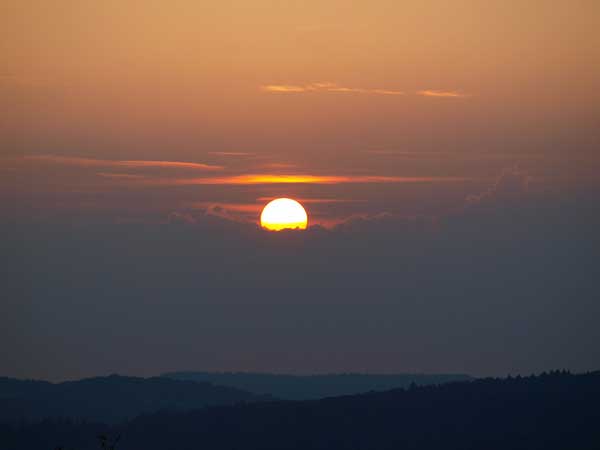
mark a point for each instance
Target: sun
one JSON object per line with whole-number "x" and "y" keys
{"x": 283, "y": 213}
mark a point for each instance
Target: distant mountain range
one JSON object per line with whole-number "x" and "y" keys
{"x": 117, "y": 398}
{"x": 110, "y": 399}
{"x": 307, "y": 387}
{"x": 554, "y": 411}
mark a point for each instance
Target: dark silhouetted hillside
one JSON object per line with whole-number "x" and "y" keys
{"x": 556, "y": 411}
{"x": 312, "y": 387}
{"x": 109, "y": 399}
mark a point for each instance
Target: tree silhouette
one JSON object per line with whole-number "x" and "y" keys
{"x": 553, "y": 411}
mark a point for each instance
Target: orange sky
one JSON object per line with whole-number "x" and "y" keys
{"x": 363, "y": 92}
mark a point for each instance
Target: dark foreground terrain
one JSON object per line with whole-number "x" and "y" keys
{"x": 550, "y": 411}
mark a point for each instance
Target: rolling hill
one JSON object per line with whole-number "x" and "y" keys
{"x": 308, "y": 387}
{"x": 109, "y": 399}
{"x": 554, "y": 411}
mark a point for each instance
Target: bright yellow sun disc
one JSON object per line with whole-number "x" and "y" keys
{"x": 283, "y": 213}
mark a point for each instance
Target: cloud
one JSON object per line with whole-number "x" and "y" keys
{"x": 325, "y": 87}
{"x": 252, "y": 179}
{"x": 90, "y": 162}
{"x": 265, "y": 179}
{"x": 120, "y": 176}
{"x": 507, "y": 194}
{"x": 384, "y": 92}
{"x": 511, "y": 187}
{"x": 284, "y": 88}
{"x": 174, "y": 164}
{"x": 442, "y": 94}
{"x": 510, "y": 203}
{"x": 336, "y": 88}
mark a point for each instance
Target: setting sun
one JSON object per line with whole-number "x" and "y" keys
{"x": 283, "y": 213}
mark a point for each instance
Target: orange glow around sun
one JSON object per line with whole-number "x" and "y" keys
{"x": 283, "y": 213}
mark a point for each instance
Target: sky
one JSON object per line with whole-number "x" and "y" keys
{"x": 447, "y": 154}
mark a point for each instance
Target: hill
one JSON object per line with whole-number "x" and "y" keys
{"x": 308, "y": 387}
{"x": 109, "y": 399}
{"x": 554, "y": 411}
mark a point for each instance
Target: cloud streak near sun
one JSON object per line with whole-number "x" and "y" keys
{"x": 171, "y": 173}
{"x": 325, "y": 87}
{"x": 329, "y": 87}
{"x": 441, "y": 94}
{"x": 89, "y": 162}
{"x": 254, "y": 179}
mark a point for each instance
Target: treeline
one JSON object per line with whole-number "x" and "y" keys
{"x": 550, "y": 411}
{"x": 311, "y": 387}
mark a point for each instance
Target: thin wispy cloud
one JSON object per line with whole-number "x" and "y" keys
{"x": 256, "y": 179}
{"x": 90, "y": 162}
{"x": 329, "y": 87}
{"x": 285, "y": 88}
{"x": 325, "y": 87}
{"x": 442, "y": 94}
{"x": 120, "y": 176}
